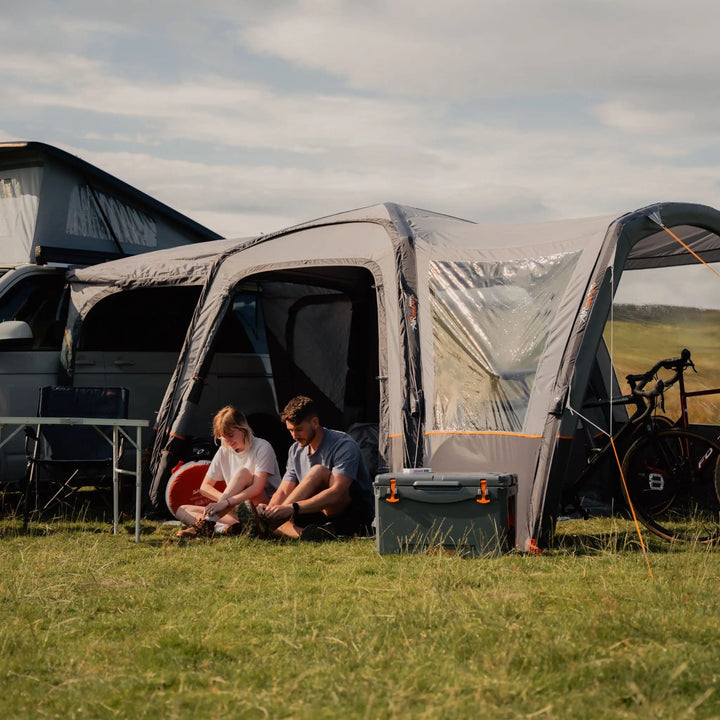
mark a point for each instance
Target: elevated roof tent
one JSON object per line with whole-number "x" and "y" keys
{"x": 57, "y": 208}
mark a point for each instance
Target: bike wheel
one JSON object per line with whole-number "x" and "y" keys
{"x": 672, "y": 480}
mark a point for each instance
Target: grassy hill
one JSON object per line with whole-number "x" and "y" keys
{"x": 641, "y": 335}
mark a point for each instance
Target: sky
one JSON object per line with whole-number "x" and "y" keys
{"x": 252, "y": 115}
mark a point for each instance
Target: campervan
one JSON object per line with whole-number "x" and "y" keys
{"x": 59, "y": 212}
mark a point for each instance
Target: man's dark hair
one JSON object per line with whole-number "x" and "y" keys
{"x": 298, "y": 410}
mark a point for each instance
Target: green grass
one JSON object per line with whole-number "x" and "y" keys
{"x": 95, "y": 626}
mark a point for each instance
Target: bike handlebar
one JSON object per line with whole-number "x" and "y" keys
{"x": 649, "y": 397}
{"x": 678, "y": 364}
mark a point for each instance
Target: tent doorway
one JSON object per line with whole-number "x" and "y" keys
{"x": 319, "y": 327}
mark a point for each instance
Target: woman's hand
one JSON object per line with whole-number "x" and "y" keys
{"x": 218, "y": 508}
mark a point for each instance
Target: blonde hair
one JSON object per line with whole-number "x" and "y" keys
{"x": 229, "y": 418}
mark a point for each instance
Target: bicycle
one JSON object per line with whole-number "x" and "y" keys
{"x": 670, "y": 476}
{"x": 684, "y": 420}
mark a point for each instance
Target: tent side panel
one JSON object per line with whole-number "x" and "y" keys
{"x": 489, "y": 452}
{"x": 627, "y": 232}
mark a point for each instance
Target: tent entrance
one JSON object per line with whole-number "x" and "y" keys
{"x": 322, "y": 336}
{"x": 319, "y": 328}
{"x": 665, "y": 299}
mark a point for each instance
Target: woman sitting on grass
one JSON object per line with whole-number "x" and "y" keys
{"x": 249, "y": 468}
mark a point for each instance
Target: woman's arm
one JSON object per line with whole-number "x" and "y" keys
{"x": 250, "y": 492}
{"x": 208, "y": 489}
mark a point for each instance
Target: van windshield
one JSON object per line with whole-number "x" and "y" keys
{"x": 36, "y": 300}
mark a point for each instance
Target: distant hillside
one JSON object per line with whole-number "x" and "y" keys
{"x": 640, "y": 335}
{"x": 663, "y": 314}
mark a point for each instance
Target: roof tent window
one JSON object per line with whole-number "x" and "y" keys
{"x": 94, "y": 214}
{"x": 490, "y": 325}
{"x": 19, "y": 200}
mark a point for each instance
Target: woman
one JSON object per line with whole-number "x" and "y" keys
{"x": 249, "y": 468}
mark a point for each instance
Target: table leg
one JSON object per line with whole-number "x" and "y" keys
{"x": 116, "y": 479}
{"x": 138, "y": 481}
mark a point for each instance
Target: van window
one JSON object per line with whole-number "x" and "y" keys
{"x": 144, "y": 320}
{"x": 36, "y": 300}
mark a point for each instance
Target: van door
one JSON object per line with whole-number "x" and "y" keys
{"x": 34, "y": 295}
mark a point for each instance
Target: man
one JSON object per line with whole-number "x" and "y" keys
{"x": 326, "y": 490}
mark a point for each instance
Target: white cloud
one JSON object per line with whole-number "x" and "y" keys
{"x": 628, "y": 115}
{"x": 238, "y": 113}
{"x": 463, "y": 48}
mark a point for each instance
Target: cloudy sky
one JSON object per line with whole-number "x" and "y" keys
{"x": 250, "y": 115}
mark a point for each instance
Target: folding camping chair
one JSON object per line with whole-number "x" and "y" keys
{"x": 71, "y": 456}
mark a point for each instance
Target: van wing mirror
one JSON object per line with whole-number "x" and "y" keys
{"x": 15, "y": 333}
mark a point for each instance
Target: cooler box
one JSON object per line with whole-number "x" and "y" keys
{"x": 470, "y": 514}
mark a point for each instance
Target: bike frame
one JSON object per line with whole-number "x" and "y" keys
{"x": 643, "y": 415}
{"x": 684, "y": 421}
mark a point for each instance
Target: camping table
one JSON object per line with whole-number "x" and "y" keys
{"x": 117, "y": 425}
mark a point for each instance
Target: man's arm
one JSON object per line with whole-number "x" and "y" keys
{"x": 282, "y": 493}
{"x": 334, "y": 498}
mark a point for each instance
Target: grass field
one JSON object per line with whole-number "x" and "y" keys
{"x": 640, "y": 336}
{"x": 94, "y": 626}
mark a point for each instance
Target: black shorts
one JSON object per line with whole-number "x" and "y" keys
{"x": 354, "y": 520}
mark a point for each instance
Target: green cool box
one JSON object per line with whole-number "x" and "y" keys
{"x": 470, "y": 514}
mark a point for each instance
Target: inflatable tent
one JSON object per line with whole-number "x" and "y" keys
{"x": 468, "y": 347}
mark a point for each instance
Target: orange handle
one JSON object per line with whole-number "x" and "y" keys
{"x": 483, "y": 499}
{"x": 392, "y": 497}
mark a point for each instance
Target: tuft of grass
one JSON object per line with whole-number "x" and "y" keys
{"x": 94, "y": 625}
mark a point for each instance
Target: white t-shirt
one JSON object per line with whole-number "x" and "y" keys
{"x": 260, "y": 458}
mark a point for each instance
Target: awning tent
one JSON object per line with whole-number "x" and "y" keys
{"x": 476, "y": 354}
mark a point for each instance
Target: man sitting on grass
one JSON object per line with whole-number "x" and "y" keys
{"x": 326, "y": 491}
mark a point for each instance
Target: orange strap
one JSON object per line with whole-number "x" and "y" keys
{"x": 694, "y": 254}
{"x": 632, "y": 509}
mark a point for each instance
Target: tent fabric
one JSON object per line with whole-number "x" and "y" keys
{"x": 486, "y": 334}
{"x": 55, "y": 207}
{"x": 19, "y": 202}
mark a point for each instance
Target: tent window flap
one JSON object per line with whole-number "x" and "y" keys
{"x": 490, "y": 325}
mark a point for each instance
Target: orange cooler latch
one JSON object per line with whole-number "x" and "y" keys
{"x": 482, "y": 497}
{"x": 393, "y": 498}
